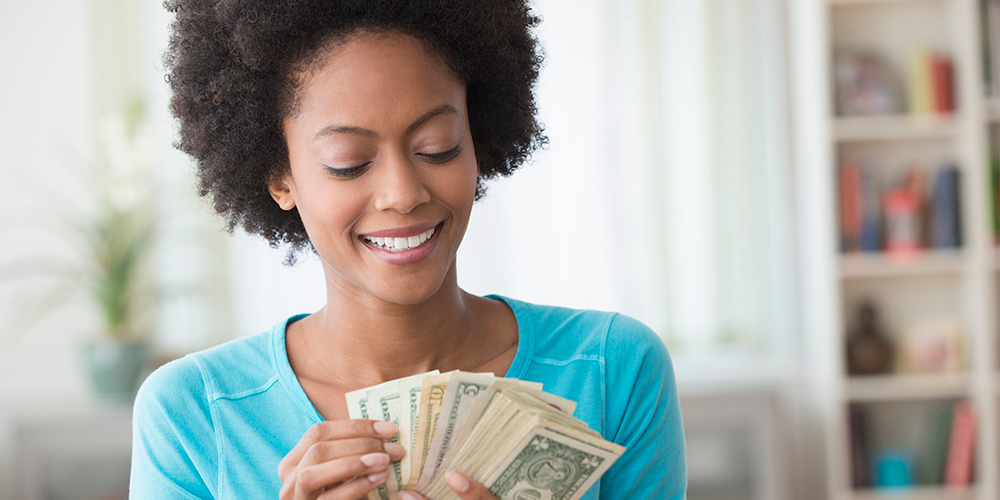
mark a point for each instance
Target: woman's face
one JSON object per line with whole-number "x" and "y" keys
{"x": 383, "y": 170}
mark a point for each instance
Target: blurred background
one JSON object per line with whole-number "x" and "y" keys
{"x": 799, "y": 196}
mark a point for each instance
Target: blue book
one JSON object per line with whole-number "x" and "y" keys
{"x": 870, "y": 239}
{"x": 946, "y": 216}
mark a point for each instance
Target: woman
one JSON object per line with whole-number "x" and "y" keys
{"x": 363, "y": 131}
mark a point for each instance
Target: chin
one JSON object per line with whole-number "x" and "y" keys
{"x": 407, "y": 297}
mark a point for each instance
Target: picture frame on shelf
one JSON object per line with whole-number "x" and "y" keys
{"x": 865, "y": 85}
{"x": 929, "y": 345}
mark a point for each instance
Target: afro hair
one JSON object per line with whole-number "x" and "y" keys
{"x": 232, "y": 70}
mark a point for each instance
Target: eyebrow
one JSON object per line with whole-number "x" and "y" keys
{"x": 444, "y": 109}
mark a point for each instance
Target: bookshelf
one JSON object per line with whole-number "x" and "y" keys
{"x": 914, "y": 276}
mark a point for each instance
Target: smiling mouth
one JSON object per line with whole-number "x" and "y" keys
{"x": 400, "y": 244}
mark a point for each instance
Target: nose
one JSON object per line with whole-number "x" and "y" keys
{"x": 400, "y": 185}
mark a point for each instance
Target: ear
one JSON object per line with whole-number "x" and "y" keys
{"x": 281, "y": 191}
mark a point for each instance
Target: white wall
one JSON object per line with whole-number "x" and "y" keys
{"x": 46, "y": 113}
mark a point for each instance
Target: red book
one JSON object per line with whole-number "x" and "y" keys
{"x": 942, "y": 87}
{"x": 961, "y": 446}
{"x": 850, "y": 206}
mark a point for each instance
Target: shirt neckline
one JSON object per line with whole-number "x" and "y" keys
{"x": 279, "y": 353}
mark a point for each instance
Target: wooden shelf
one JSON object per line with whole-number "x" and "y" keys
{"x": 893, "y": 127}
{"x": 915, "y": 493}
{"x": 881, "y": 265}
{"x": 874, "y": 388}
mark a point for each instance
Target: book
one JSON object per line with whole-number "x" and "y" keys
{"x": 870, "y": 238}
{"x": 931, "y": 83}
{"x": 942, "y": 84}
{"x": 945, "y": 210}
{"x": 961, "y": 445}
{"x": 860, "y": 467}
{"x": 920, "y": 95}
{"x": 915, "y": 181}
{"x": 932, "y": 466}
{"x": 850, "y": 206}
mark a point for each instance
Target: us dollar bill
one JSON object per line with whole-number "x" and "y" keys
{"x": 463, "y": 391}
{"x": 410, "y": 389}
{"x": 548, "y": 465}
{"x": 431, "y": 397}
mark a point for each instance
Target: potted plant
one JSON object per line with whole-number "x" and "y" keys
{"x": 113, "y": 273}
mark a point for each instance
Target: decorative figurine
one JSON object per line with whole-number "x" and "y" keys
{"x": 869, "y": 352}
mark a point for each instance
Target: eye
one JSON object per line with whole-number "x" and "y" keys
{"x": 347, "y": 173}
{"x": 442, "y": 157}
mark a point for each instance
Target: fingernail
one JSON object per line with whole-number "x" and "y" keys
{"x": 378, "y": 477}
{"x": 394, "y": 450}
{"x": 406, "y": 495}
{"x": 385, "y": 428}
{"x": 374, "y": 459}
{"x": 458, "y": 482}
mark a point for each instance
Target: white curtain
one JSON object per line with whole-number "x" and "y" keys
{"x": 664, "y": 193}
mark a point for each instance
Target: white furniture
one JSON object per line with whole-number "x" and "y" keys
{"x": 962, "y": 283}
{"x": 64, "y": 451}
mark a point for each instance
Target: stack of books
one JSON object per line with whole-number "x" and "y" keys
{"x": 946, "y": 459}
{"x": 931, "y": 83}
{"x": 903, "y": 218}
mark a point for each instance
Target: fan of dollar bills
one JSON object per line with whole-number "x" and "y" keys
{"x": 518, "y": 441}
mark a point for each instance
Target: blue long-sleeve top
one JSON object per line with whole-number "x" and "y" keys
{"x": 215, "y": 424}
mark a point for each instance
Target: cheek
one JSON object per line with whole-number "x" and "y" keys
{"x": 328, "y": 212}
{"x": 462, "y": 186}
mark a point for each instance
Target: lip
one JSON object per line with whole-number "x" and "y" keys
{"x": 406, "y": 257}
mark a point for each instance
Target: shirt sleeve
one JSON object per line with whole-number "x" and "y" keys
{"x": 174, "y": 451}
{"x": 643, "y": 414}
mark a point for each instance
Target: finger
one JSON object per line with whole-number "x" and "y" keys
{"x": 410, "y": 495}
{"x": 355, "y": 488}
{"x": 333, "y": 430}
{"x": 466, "y": 488}
{"x": 311, "y": 479}
{"x": 325, "y": 451}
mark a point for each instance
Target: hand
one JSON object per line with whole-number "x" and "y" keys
{"x": 338, "y": 460}
{"x": 462, "y": 485}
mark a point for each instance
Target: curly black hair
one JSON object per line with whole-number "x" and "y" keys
{"x": 233, "y": 64}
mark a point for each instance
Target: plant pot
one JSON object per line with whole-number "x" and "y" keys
{"x": 115, "y": 368}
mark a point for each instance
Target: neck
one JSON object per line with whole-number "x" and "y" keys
{"x": 359, "y": 340}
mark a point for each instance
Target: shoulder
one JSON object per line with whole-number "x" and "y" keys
{"x": 588, "y": 333}
{"x": 228, "y": 368}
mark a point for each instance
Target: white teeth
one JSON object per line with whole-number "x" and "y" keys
{"x": 400, "y": 244}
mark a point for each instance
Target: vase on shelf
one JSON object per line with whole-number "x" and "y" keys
{"x": 869, "y": 352}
